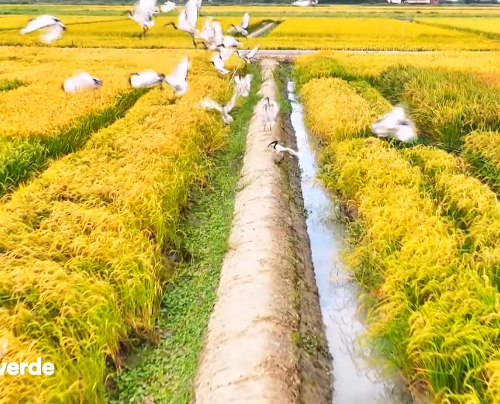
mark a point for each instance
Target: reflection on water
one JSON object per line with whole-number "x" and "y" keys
{"x": 355, "y": 381}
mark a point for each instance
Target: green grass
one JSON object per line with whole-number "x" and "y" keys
{"x": 166, "y": 371}
{"x": 7, "y": 85}
{"x": 20, "y": 160}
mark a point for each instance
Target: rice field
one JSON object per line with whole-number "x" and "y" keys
{"x": 96, "y": 190}
{"x": 478, "y": 25}
{"x": 425, "y": 243}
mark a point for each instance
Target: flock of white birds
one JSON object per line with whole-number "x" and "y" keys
{"x": 394, "y": 125}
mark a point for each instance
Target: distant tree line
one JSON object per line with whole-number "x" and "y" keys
{"x": 227, "y": 2}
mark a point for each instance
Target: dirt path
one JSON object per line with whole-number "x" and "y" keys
{"x": 250, "y": 350}
{"x": 261, "y": 30}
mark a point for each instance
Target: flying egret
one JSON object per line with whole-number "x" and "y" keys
{"x": 209, "y": 103}
{"x": 80, "y": 82}
{"x": 188, "y": 19}
{"x": 241, "y": 28}
{"x": 281, "y": 150}
{"x": 168, "y": 6}
{"x": 54, "y": 28}
{"x": 395, "y": 125}
{"x": 243, "y": 84}
{"x": 146, "y": 78}
{"x": 143, "y": 13}
{"x": 218, "y": 63}
{"x": 248, "y": 55}
{"x": 178, "y": 79}
{"x": 270, "y": 113}
{"x": 230, "y": 41}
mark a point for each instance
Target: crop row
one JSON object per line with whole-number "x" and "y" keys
{"x": 120, "y": 32}
{"x": 42, "y": 122}
{"x": 83, "y": 248}
{"x": 424, "y": 244}
{"x": 453, "y": 108}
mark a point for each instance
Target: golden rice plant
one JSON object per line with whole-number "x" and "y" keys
{"x": 121, "y": 32}
{"x": 446, "y": 105}
{"x": 437, "y": 314}
{"x": 486, "y": 25}
{"x": 16, "y": 22}
{"x": 369, "y": 66}
{"x": 83, "y": 247}
{"x": 482, "y": 152}
{"x": 344, "y": 112}
{"x": 374, "y": 33}
{"x": 42, "y": 122}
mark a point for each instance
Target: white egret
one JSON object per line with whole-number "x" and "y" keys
{"x": 54, "y": 28}
{"x": 230, "y": 41}
{"x": 146, "y": 78}
{"x": 188, "y": 19}
{"x": 248, "y": 55}
{"x": 80, "y": 82}
{"x": 209, "y": 103}
{"x": 144, "y": 10}
{"x": 395, "y": 125}
{"x": 218, "y": 63}
{"x": 168, "y": 6}
{"x": 241, "y": 28}
{"x": 305, "y": 3}
{"x": 281, "y": 150}
{"x": 178, "y": 79}
{"x": 270, "y": 111}
{"x": 243, "y": 84}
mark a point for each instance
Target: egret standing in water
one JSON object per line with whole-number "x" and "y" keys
{"x": 53, "y": 28}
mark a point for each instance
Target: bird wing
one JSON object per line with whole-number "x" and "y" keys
{"x": 252, "y": 53}
{"x": 248, "y": 78}
{"x": 192, "y": 11}
{"x": 245, "y": 21}
{"x": 40, "y": 22}
{"x": 230, "y": 105}
{"x": 145, "y": 78}
{"x": 208, "y": 103}
{"x": 218, "y": 34}
{"x": 180, "y": 73}
{"x": 149, "y": 6}
{"x": 218, "y": 62}
{"x": 230, "y": 41}
{"x": 53, "y": 33}
{"x": 237, "y": 79}
{"x": 225, "y": 53}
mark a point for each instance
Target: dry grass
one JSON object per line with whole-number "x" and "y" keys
{"x": 83, "y": 247}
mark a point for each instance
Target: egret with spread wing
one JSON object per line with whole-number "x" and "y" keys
{"x": 143, "y": 13}
{"x": 209, "y": 103}
{"x": 241, "y": 28}
{"x": 188, "y": 19}
{"x": 248, "y": 55}
{"x": 52, "y": 25}
{"x": 178, "y": 79}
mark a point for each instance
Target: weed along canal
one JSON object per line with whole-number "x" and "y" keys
{"x": 357, "y": 379}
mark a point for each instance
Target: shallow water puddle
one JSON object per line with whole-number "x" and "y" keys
{"x": 355, "y": 381}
